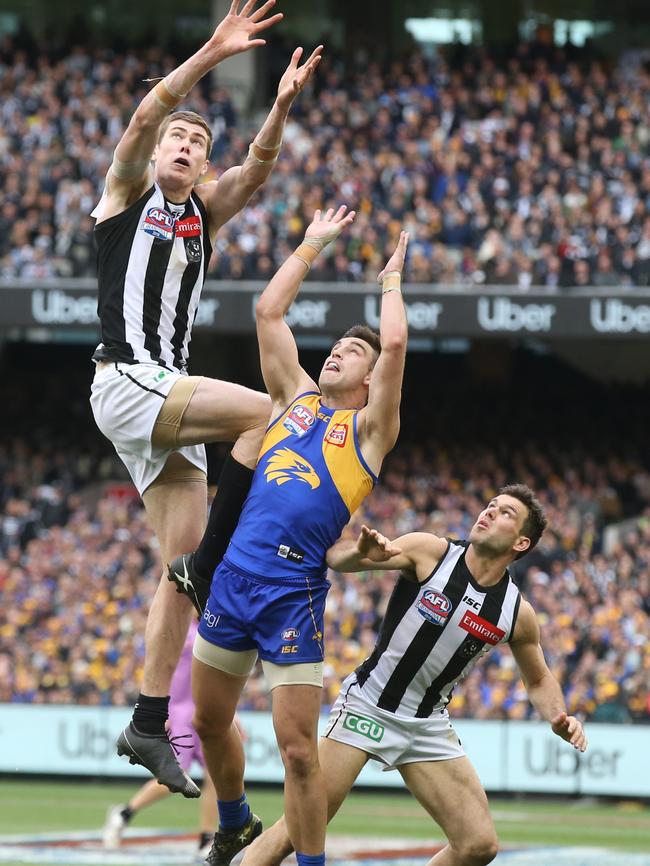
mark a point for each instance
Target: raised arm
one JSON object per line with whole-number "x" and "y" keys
{"x": 236, "y": 185}
{"x": 417, "y": 553}
{"x": 130, "y": 172}
{"x": 283, "y": 376}
{"x": 380, "y": 421}
{"x": 543, "y": 689}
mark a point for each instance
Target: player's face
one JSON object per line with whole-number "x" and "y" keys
{"x": 498, "y": 528}
{"x": 348, "y": 366}
{"x": 180, "y": 154}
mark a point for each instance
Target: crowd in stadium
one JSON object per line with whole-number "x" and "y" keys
{"x": 536, "y": 173}
{"x": 78, "y": 565}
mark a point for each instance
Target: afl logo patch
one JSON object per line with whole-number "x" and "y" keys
{"x": 290, "y": 634}
{"x": 434, "y": 606}
{"x": 159, "y": 223}
{"x": 299, "y": 420}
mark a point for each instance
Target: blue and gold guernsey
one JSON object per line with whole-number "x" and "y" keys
{"x": 310, "y": 477}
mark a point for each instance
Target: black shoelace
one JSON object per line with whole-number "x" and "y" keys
{"x": 176, "y": 746}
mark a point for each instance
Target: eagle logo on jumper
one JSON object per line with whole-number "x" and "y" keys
{"x": 285, "y": 465}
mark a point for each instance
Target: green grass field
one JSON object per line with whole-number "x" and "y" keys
{"x": 37, "y": 807}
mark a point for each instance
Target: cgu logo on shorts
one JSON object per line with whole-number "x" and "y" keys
{"x": 159, "y": 223}
{"x": 364, "y": 726}
{"x": 285, "y": 465}
{"x": 434, "y": 606}
{"x": 299, "y": 420}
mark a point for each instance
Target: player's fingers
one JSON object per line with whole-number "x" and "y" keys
{"x": 349, "y": 218}
{"x": 268, "y": 22}
{"x": 295, "y": 57}
{"x": 254, "y": 43}
{"x": 560, "y": 719}
{"x": 233, "y": 7}
{"x": 247, "y": 7}
{"x": 340, "y": 213}
{"x": 261, "y": 12}
{"x": 329, "y": 214}
{"x": 314, "y": 56}
{"x": 311, "y": 66}
{"x": 316, "y": 215}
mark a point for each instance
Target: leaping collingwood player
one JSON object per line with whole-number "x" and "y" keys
{"x": 453, "y": 602}
{"x": 154, "y": 234}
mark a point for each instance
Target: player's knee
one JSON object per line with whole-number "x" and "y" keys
{"x": 478, "y": 849}
{"x": 208, "y": 726}
{"x": 300, "y": 758}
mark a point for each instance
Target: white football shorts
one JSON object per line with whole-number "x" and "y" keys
{"x": 126, "y": 400}
{"x": 388, "y": 738}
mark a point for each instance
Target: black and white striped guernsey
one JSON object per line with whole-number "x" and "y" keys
{"x": 433, "y": 634}
{"x": 151, "y": 263}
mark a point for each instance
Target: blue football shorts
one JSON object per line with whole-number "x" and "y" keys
{"x": 283, "y": 621}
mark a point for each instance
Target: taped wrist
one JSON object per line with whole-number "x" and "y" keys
{"x": 391, "y": 281}
{"x": 166, "y": 95}
{"x": 311, "y": 247}
{"x": 264, "y": 155}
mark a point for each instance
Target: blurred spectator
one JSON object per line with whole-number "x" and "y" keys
{"x": 537, "y": 173}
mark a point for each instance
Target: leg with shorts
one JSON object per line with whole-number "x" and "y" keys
{"x": 156, "y": 420}
{"x": 284, "y": 623}
{"x": 433, "y": 764}
{"x": 341, "y": 765}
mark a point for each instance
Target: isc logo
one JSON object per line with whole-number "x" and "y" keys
{"x": 472, "y": 602}
{"x": 289, "y": 649}
{"x": 364, "y": 726}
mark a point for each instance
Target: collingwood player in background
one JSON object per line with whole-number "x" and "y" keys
{"x": 453, "y": 602}
{"x": 154, "y": 234}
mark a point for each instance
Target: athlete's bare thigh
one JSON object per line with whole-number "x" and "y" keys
{"x": 452, "y": 794}
{"x": 220, "y": 411}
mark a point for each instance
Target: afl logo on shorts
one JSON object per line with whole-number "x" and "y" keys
{"x": 434, "y": 606}
{"x": 290, "y": 634}
{"x": 159, "y": 223}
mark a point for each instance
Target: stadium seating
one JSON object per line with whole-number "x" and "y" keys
{"x": 535, "y": 173}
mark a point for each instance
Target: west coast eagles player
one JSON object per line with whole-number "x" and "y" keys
{"x": 319, "y": 459}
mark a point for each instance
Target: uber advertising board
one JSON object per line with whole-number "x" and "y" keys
{"x": 508, "y": 756}
{"x": 331, "y": 309}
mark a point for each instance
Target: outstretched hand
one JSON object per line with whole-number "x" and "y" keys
{"x": 396, "y": 261}
{"x": 295, "y": 77}
{"x": 326, "y": 228}
{"x": 238, "y": 30}
{"x": 375, "y": 546}
{"x": 571, "y": 730}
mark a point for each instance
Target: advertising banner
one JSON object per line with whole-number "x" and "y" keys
{"x": 326, "y": 309}
{"x": 508, "y": 756}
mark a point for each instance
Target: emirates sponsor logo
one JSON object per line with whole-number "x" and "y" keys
{"x": 481, "y": 628}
